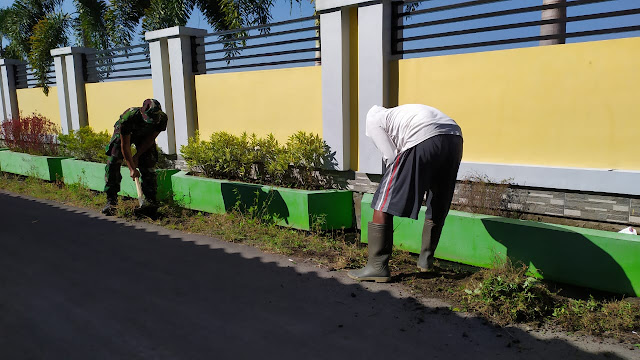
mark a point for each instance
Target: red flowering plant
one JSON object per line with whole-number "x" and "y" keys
{"x": 33, "y": 134}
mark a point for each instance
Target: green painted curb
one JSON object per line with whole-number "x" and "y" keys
{"x": 43, "y": 167}
{"x": 595, "y": 259}
{"x": 300, "y": 209}
{"x": 91, "y": 175}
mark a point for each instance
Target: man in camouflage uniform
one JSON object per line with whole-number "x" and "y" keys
{"x": 139, "y": 126}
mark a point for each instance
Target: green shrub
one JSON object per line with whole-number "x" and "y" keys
{"x": 224, "y": 155}
{"x": 270, "y": 160}
{"x": 307, "y": 153}
{"x": 85, "y": 144}
{"x": 249, "y": 158}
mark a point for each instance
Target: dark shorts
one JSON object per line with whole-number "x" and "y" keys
{"x": 430, "y": 166}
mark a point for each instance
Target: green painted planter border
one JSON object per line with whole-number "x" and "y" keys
{"x": 300, "y": 209}
{"x": 91, "y": 175}
{"x": 43, "y": 167}
{"x": 595, "y": 259}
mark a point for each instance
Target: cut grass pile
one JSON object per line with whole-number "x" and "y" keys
{"x": 503, "y": 295}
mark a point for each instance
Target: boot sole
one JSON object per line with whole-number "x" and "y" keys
{"x": 371, "y": 278}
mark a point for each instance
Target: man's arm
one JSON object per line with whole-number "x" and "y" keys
{"x": 126, "y": 152}
{"x": 147, "y": 144}
{"x": 382, "y": 141}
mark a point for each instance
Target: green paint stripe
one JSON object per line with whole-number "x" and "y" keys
{"x": 590, "y": 258}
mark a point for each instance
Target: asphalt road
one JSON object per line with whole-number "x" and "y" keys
{"x": 77, "y": 285}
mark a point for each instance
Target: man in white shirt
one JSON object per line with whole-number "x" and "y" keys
{"x": 422, "y": 148}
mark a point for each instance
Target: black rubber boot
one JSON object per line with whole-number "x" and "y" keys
{"x": 380, "y": 244}
{"x": 110, "y": 208}
{"x": 430, "y": 238}
{"x": 148, "y": 209}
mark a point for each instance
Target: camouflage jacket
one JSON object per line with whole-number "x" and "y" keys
{"x": 131, "y": 123}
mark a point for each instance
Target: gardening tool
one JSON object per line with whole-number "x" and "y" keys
{"x": 139, "y": 188}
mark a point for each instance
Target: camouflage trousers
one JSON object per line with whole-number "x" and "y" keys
{"x": 146, "y": 166}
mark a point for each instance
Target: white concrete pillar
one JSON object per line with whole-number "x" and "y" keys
{"x": 334, "y": 37}
{"x": 179, "y": 45}
{"x": 161, "y": 78}
{"x": 9, "y": 95}
{"x": 559, "y": 28}
{"x": 2, "y": 107}
{"x": 374, "y": 43}
{"x": 73, "y": 78}
{"x": 63, "y": 93}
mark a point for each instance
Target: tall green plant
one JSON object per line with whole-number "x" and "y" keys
{"x": 90, "y": 25}
{"x": 49, "y": 33}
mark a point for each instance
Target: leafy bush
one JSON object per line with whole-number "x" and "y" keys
{"x": 33, "y": 134}
{"x": 307, "y": 152}
{"x": 270, "y": 160}
{"x": 264, "y": 160}
{"x": 85, "y": 144}
{"x": 224, "y": 155}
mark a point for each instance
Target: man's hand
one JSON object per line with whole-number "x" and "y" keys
{"x": 134, "y": 173}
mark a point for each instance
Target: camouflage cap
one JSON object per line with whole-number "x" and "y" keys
{"x": 150, "y": 109}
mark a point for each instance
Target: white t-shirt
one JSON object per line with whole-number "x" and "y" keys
{"x": 400, "y": 128}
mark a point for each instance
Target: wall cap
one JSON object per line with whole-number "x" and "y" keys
{"x": 328, "y": 5}
{"x": 5, "y": 62}
{"x": 612, "y": 181}
{"x": 173, "y": 32}
{"x": 71, "y": 50}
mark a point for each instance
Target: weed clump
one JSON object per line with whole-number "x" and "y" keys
{"x": 507, "y": 294}
{"x": 596, "y": 317}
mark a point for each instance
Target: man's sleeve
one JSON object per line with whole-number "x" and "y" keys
{"x": 382, "y": 141}
{"x": 125, "y": 123}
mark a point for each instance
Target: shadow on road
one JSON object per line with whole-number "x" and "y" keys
{"x": 77, "y": 286}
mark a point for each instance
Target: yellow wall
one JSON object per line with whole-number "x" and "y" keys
{"x": 35, "y": 101}
{"x": 107, "y": 101}
{"x": 281, "y": 101}
{"x": 574, "y": 105}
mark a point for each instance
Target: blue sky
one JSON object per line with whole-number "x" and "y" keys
{"x": 283, "y": 10}
{"x": 579, "y": 26}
